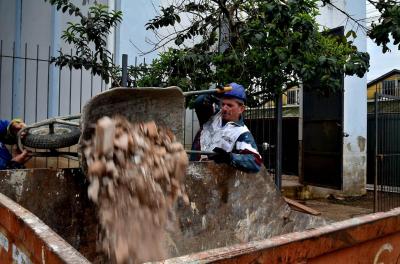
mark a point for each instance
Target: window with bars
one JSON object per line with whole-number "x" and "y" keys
{"x": 389, "y": 87}
{"x": 293, "y": 97}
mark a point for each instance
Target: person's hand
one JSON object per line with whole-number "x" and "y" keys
{"x": 208, "y": 101}
{"x": 22, "y": 157}
{"x": 221, "y": 89}
{"x": 221, "y": 156}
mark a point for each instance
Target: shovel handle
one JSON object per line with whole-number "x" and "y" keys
{"x": 211, "y": 91}
{"x": 200, "y": 152}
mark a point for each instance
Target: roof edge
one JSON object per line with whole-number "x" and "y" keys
{"x": 380, "y": 78}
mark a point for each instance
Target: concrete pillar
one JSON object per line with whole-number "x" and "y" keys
{"x": 355, "y": 116}
{"x": 52, "y": 109}
{"x": 117, "y": 36}
{"x": 17, "y": 85}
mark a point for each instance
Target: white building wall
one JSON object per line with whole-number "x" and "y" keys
{"x": 7, "y": 17}
{"x": 35, "y": 26}
{"x": 355, "y": 99}
{"x": 133, "y": 37}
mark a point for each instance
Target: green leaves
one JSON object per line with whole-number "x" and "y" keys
{"x": 168, "y": 17}
{"x": 270, "y": 45}
{"x": 65, "y": 5}
{"x": 179, "y": 40}
{"x": 388, "y": 25}
{"x": 351, "y": 33}
{"x": 383, "y": 31}
{"x": 92, "y": 31}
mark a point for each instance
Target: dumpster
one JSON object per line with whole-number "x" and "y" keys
{"x": 227, "y": 207}
{"x": 233, "y": 217}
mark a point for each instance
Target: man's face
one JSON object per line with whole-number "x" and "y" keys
{"x": 231, "y": 109}
{"x": 16, "y": 127}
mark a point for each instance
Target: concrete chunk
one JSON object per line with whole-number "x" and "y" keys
{"x": 105, "y": 131}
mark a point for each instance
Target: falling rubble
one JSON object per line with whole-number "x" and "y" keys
{"x": 136, "y": 174}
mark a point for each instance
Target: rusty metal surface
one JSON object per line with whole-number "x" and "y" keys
{"x": 26, "y": 239}
{"x": 372, "y": 238}
{"x": 165, "y": 106}
{"x": 227, "y": 208}
{"x": 230, "y": 207}
{"x": 59, "y": 199}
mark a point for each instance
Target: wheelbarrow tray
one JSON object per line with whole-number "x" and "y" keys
{"x": 165, "y": 106}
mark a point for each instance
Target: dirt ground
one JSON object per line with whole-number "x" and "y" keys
{"x": 333, "y": 208}
{"x": 337, "y": 209}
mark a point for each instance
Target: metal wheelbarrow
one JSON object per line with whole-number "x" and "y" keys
{"x": 165, "y": 106}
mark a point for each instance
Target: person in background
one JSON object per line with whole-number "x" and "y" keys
{"x": 222, "y": 130}
{"x": 8, "y": 135}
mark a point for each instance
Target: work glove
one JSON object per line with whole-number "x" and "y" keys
{"x": 221, "y": 156}
{"x": 211, "y": 99}
{"x": 208, "y": 100}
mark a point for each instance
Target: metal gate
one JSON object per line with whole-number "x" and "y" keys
{"x": 322, "y": 149}
{"x": 386, "y": 147}
{"x": 323, "y": 139}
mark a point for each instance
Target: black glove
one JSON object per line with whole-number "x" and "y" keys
{"x": 210, "y": 99}
{"x": 221, "y": 156}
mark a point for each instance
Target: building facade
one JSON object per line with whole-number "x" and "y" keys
{"x": 388, "y": 83}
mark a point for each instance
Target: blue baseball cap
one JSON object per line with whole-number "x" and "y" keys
{"x": 237, "y": 92}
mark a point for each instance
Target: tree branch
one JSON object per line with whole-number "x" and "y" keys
{"x": 349, "y": 16}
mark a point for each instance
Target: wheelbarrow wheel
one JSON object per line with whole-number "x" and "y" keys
{"x": 41, "y": 138}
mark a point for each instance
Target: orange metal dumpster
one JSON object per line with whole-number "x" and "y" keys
{"x": 373, "y": 238}
{"x": 26, "y": 239}
{"x": 233, "y": 217}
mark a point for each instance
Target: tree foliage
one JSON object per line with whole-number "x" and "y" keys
{"x": 271, "y": 45}
{"x": 89, "y": 39}
{"x": 266, "y": 45}
{"x": 387, "y": 25}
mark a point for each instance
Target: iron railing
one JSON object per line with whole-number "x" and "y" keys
{"x": 32, "y": 88}
{"x": 386, "y": 149}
